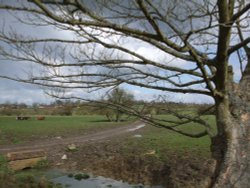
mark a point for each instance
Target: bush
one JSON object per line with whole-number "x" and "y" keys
{"x": 7, "y": 111}
{"x": 62, "y": 111}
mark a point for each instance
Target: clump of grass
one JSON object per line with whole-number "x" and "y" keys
{"x": 3, "y": 164}
{"x": 44, "y": 163}
{"x": 70, "y": 175}
{"x": 81, "y": 176}
{"x": 138, "y": 186}
{"x": 23, "y": 179}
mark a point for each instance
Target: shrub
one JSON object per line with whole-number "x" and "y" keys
{"x": 7, "y": 111}
{"x": 42, "y": 164}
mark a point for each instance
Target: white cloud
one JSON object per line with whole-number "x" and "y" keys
{"x": 192, "y": 98}
{"x": 157, "y": 55}
{"x": 11, "y": 91}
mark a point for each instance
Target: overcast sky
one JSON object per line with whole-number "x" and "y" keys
{"x": 11, "y": 91}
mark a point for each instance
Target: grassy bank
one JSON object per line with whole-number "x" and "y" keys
{"x": 30, "y": 179}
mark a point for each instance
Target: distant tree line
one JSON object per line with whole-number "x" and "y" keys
{"x": 112, "y": 105}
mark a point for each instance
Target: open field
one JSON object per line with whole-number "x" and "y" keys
{"x": 13, "y": 131}
{"x": 123, "y": 157}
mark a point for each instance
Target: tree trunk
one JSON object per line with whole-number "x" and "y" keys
{"x": 232, "y": 152}
{"x": 117, "y": 116}
{"x": 109, "y": 117}
{"x": 231, "y": 147}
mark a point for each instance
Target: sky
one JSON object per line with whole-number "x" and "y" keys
{"x": 17, "y": 92}
{"x": 11, "y": 91}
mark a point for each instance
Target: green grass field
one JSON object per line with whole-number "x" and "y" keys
{"x": 13, "y": 131}
{"x": 158, "y": 139}
{"x": 167, "y": 144}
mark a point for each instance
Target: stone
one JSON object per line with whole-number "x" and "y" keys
{"x": 27, "y": 154}
{"x": 64, "y": 157}
{"x": 150, "y": 152}
{"x": 25, "y": 159}
{"x": 137, "y": 136}
{"x": 71, "y": 147}
{"x": 25, "y": 163}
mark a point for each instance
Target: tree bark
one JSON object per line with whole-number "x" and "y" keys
{"x": 117, "y": 116}
{"x": 233, "y": 155}
{"x": 231, "y": 146}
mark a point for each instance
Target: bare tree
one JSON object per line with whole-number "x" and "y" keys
{"x": 118, "y": 98}
{"x": 192, "y": 41}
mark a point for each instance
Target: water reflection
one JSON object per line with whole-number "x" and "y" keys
{"x": 96, "y": 182}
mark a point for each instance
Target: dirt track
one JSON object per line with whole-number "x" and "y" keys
{"x": 56, "y": 142}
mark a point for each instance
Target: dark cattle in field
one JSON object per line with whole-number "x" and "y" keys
{"x": 40, "y": 117}
{"x": 22, "y": 118}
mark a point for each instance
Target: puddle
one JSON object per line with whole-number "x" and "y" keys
{"x": 96, "y": 182}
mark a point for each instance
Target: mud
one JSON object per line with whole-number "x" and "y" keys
{"x": 106, "y": 159}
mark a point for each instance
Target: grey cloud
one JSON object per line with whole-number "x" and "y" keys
{"x": 18, "y": 92}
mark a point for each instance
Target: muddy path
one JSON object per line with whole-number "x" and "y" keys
{"x": 61, "y": 142}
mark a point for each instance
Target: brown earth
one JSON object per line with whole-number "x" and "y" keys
{"x": 101, "y": 154}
